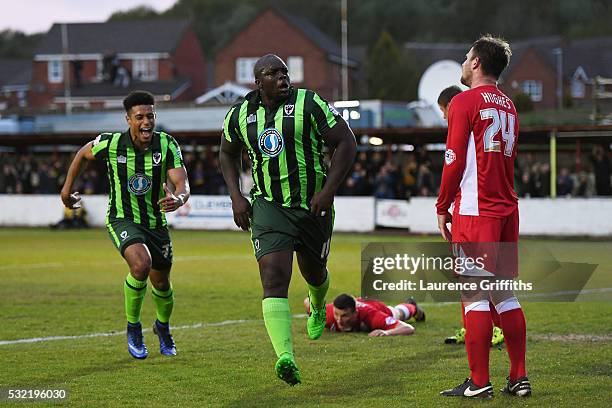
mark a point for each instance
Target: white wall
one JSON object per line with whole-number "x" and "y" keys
{"x": 538, "y": 216}
{"x": 201, "y": 212}
{"x": 554, "y": 217}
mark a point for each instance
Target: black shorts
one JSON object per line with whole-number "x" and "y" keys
{"x": 275, "y": 228}
{"x": 124, "y": 233}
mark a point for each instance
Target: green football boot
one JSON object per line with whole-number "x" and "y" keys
{"x": 498, "y": 337}
{"x": 287, "y": 370}
{"x": 316, "y": 322}
{"x": 458, "y": 338}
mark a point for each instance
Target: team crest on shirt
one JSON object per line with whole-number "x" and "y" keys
{"x": 271, "y": 142}
{"x": 252, "y": 118}
{"x": 449, "y": 157}
{"x": 289, "y": 110}
{"x": 121, "y": 159}
{"x": 157, "y": 158}
{"x": 139, "y": 184}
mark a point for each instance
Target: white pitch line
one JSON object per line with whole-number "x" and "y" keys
{"x": 122, "y": 333}
{"x": 118, "y": 261}
{"x": 118, "y": 333}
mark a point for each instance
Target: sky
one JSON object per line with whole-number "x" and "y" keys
{"x": 32, "y": 16}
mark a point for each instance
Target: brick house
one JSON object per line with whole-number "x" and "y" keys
{"x": 313, "y": 58}
{"x": 15, "y": 77}
{"x": 107, "y": 60}
{"x": 533, "y": 66}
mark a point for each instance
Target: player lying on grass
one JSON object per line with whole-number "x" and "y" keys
{"x": 350, "y": 314}
{"x": 444, "y": 101}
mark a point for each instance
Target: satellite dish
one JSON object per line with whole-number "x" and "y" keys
{"x": 438, "y": 76}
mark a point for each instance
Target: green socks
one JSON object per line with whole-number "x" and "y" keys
{"x": 277, "y": 318}
{"x": 134, "y": 291}
{"x": 164, "y": 301}
{"x": 317, "y": 293}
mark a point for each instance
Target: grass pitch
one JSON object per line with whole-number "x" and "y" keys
{"x": 70, "y": 284}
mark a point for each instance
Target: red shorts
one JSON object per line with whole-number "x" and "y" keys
{"x": 494, "y": 240}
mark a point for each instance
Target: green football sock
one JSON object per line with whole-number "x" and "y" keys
{"x": 134, "y": 291}
{"x": 164, "y": 301}
{"x": 277, "y": 318}
{"x": 317, "y": 293}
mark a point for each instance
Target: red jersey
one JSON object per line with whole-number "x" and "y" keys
{"x": 371, "y": 315}
{"x": 478, "y": 174}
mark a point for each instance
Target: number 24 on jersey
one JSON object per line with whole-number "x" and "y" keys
{"x": 502, "y": 121}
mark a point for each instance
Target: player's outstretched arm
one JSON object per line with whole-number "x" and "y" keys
{"x": 78, "y": 165}
{"x": 174, "y": 200}
{"x": 402, "y": 328}
{"x": 229, "y": 160}
{"x": 342, "y": 141}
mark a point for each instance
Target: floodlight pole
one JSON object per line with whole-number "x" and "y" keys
{"x": 559, "y": 54}
{"x": 66, "y": 66}
{"x": 344, "y": 28}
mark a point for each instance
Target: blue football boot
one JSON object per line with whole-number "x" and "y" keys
{"x": 166, "y": 342}
{"x": 136, "y": 346}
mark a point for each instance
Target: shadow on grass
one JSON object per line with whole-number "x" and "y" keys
{"x": 57, "y": 380}
{"x": 375, "y": 380}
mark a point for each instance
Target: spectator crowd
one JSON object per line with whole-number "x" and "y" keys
{"x": 383, "y": 174}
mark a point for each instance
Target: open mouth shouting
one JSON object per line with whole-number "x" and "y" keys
{"x": 146, "y": 132}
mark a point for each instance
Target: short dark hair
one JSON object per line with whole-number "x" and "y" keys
{"x": 261, "y": 63}
{"x": 136, "y": 98}
{"x": 447, "y": 94}
{"x": 344, "y": 301}
{"x": 494, "y": 54}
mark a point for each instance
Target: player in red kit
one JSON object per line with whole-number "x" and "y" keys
{"x": 477, "y": 181}
{"x": 350, "y": 314}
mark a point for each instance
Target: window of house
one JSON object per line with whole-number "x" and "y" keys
{"x": 145, "y": 69}
{"x": 296, "y": 69}
{"x": 55, "y": 71}
{"x": 99, "y": 70}
{"x": 244, "y": 70}
{"x": 533, "y": 89}
{"x": 579, "y": 80}
{"x": 578, "y": 88}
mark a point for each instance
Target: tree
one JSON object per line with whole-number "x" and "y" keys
{"x": 15, "y": 44}
{"x": 391, "y": 74}
{"x": 137, "y": 13}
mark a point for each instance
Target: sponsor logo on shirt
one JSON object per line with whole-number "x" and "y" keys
{"x": 271, "y": 142}
{"x": 96, "y": 141}
{"x": 449, "y": 157}
{"x": 123, "y": 235}
{"x": 121, "y": 159}
{"x": 289, "y": 110}
{"x": 139, "y": 184}
{"x": 256, "y": 245}
{"x": 252, "y": 118}
{"x": 333, "y": 110}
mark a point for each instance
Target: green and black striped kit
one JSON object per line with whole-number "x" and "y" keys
{"x": 136, "y": 177}
{"x": 284, "y": 144}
